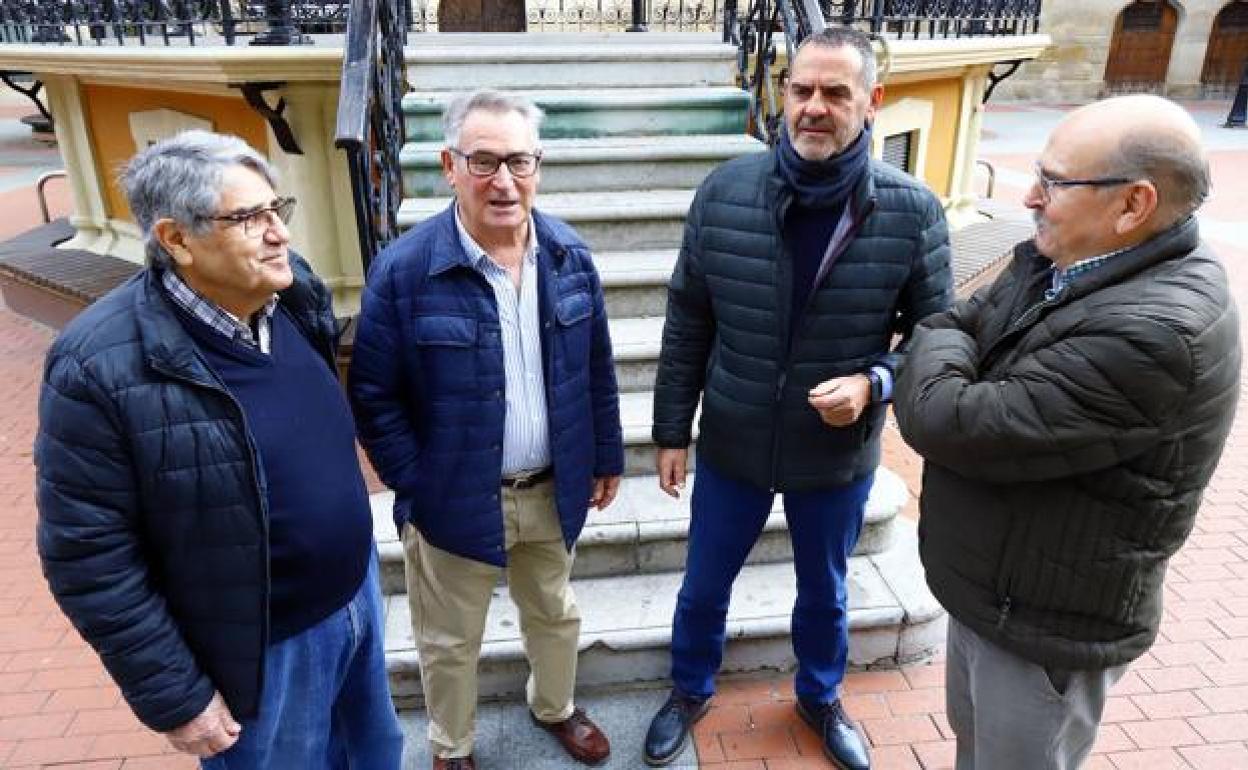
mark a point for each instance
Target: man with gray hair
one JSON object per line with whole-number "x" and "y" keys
{"x": 203, "y": 521}
{"x": 1070, "y": 416}
{"x": 485, "y": 392}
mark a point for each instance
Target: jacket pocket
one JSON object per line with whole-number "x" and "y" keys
{"x": 572, "y": 314}
{"x": 456, "y": 331}
{"x": 573, "y": 308}
{"x": 446, "y": 360}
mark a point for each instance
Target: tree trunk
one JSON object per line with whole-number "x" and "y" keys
{"x": 481, "y": 16}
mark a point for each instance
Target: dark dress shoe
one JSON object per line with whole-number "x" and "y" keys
{"x": 580, "y": 737}
{"x": 841, "y": 742}
{"x": 669, "y": 730}
{"x": 454, "y": 763}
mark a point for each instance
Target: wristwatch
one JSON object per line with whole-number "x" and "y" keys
{"x": 877, "y": 386}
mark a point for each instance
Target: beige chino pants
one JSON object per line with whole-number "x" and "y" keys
{"x": 450, "y": 595}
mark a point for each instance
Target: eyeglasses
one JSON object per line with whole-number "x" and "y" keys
{"x": 1048, "y": 184}
{"x": 484, "y": 164}
{"x": 258, "y": 221}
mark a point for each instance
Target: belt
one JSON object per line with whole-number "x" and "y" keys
{"x": 529, "y": 479}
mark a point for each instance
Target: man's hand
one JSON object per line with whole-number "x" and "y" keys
{"x": 210, "y": 733}
{"x": 605, "y": 488}
{"x": 840, "y": 401}
{"x": 671, "y": 465}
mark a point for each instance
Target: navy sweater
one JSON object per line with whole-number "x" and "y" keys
{"x": 807, "y": 232}
{"x": 320, "y": 528}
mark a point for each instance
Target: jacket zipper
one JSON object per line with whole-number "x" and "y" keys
{"x": 1003, "y": 612}
{"x": 252, "y": 457}
{"x": 787, "y": 359}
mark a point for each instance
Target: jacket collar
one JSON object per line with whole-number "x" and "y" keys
{"x": 1178, "y": 240}
{"x": 169, "y": 348}
{"x": 449, "y": 251}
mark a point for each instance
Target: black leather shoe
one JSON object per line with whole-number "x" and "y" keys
{"x": 841, "y": 742}
{"x": 669, "y": 730}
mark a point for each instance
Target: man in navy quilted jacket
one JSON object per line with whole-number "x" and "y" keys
{"x": 485, "y": 393}
{"x": 202, "y": 517}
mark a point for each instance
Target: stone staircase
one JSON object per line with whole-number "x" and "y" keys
{"x": 634, "y": 123}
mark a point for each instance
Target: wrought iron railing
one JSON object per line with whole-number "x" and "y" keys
{"x": 282, "y": 22}
{"x": 767, "y": 26}
{"x": 370, "y": 118}
{"x": 169, "y": 22}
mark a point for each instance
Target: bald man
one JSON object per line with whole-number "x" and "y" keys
{"x": 1069, "y": 416}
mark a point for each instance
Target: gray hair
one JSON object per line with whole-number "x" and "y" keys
{"x": 498, "y": 102}
{"x": 840, "y": 37}
{"x": 180, "y": 178}
{"x": 1178, "y": 169}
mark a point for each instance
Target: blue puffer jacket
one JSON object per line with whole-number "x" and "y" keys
{"x": 428, "y": 382}
{"x": 153, "y": 527}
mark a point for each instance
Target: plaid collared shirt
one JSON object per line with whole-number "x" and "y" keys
{"x": 1063, "y": 278}
{"x": 217, "y": 317}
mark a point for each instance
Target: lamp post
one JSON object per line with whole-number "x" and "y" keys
{"x": 1239, "y": 107}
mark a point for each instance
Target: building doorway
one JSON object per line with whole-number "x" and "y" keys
{"x": 1140, "y": 52}
{"x": 1227, "y": 52}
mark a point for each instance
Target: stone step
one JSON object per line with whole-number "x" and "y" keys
{"x": 645, "y": 531}
{"x": 610, "y": 163}
{"x": 632, "y": 220}
{"x": 626, "y": 625}
{"x": 635, "y": 343}
{"x": 635, "y": 282}
{"x": 582, "y": 60}
{"x": 576, "y": 113}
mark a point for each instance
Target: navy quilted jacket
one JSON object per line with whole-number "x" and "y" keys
{"x": 427, "y": 382}
{"x": 728, "y": 321}
{"x": 152, "y": 525}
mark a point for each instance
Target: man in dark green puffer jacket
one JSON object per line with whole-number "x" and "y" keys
{"x": 799, "y": 267}
{"x": 1070, "y": 416}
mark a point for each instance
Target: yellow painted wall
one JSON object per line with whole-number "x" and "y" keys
{"x": 945, "y": 97}
{"x": 108, "y": 111}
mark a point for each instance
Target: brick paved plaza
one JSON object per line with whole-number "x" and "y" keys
{"x": 1184, "y": 705}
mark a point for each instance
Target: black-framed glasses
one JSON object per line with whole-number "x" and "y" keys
{"x": 1048, "y": 184}
{"x": 258, "y": 221}
{"x": 481, "y": 163}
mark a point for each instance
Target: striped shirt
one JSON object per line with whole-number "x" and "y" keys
{"x": 218, "y": 318}
{"x": 526, "y": 440}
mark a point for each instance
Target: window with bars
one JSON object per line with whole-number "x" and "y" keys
{"x": 899, "y": 150}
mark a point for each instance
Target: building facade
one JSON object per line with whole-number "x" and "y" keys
{"x": 1178, "y": 48}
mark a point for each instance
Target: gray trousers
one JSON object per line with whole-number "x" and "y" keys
{"x": 1008, "y": 712}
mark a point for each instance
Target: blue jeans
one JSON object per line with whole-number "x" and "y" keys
{"x": 727, "y": 518}
{"x": 326, "y": 700}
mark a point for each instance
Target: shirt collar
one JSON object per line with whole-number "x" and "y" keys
{"x": 479, "y": 256}
{"x": 213, "y": 315}
{"x": 1064, "y": 276}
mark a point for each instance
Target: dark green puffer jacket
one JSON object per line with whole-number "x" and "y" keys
{"x": 1067, "y": 443}
{"x": 727, "y": 329}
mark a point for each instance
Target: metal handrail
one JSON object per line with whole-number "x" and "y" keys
{"x": 992, "y": 176}
{"x": 42, "y": 182}
{"x": 370, "y": 119}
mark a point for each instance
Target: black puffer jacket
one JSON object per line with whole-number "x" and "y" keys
{"x": 1067, "y": 443}
{"x": 728, "y": 325}
{"x": 153, "y": 527}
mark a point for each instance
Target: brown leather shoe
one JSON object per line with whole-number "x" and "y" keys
{"x": 454, "y": 763}
{"x": 580, "y": 737}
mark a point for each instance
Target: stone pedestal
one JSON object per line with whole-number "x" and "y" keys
{"x": 481, "y": 16}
